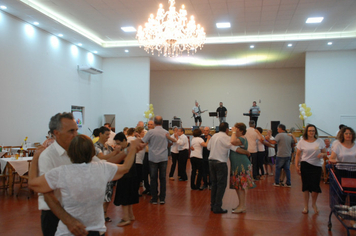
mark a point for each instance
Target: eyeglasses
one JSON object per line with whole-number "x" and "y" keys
{"x": 312, "y": 131}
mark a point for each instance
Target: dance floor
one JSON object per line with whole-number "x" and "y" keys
{"x": 270, "y": 211}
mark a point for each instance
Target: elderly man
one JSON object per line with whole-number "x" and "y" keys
{"x": 157, "y": 140}
{"x": 183, "y": 149}
{"x": 197, "y": 113}
{"x": 146, "y": 165}
{"x": 64, "y": 128}
{"x": 219, "y": 146}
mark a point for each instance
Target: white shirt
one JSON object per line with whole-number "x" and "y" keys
{"x": 219, "y": 146}
{"x": 52, "y": 157}
{"x": 260, "y": 146}
{"x": 198, "y": 148}
{"x": 271, "y": 150}
{"x": 251, "y": 137}
{"x": 82, "y": 187}
{"x": 174, "y": 147}
{"x": 182, "y": 142}
{"x": 111, "y": 141}
{"x": 345, "y": 154}
{"x": 310, "y": 151}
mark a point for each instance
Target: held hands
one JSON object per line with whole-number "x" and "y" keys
{"x": 321, "y": 155}
{"x": 192, "y": 148}
{"x": 137, "y": 145}
{"x": 76, "y": 227}
{"x": 233, "y": 129}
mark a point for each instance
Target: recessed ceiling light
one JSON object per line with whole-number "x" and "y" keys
{"x": 330, "y": 43}
{"x": 223, "y": 25}
{"x": 36, "y": 23}
{"x": 252, "y": 46}
{"x": 60, "y": 35}
{"x": 126, "y": 51}
{"x": 290, "y": 45}
{"x": 312, "y": 20}
{"x": 79, "y": 44}
{"x": 3, "y": 7}
{"x": 95, "y": 51}
{"x": 128, "y": 29}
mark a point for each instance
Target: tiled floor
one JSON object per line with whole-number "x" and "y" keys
{"x": 270, "y": 211}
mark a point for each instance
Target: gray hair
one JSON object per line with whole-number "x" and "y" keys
{"x": 55, "y": 122}
{"x": 174, "y": 127}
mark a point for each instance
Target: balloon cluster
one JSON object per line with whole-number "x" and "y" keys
{"x": 304, "y": 111}
{"x": 149, "y": 113}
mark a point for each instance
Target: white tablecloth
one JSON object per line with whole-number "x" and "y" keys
{"x": 20, "y": 165}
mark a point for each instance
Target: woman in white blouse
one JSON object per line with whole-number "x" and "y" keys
{"x": 310, "y": 151}
{"x": 345, "y": 149}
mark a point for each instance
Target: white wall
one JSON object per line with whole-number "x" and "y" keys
{"x": 125, "y": 91}
{"x": 330, "y": 82}
{"x": 39, "y": 80}
{"x": 280, "y": 90}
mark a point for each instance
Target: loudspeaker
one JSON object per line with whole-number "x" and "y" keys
{"x": 195, "y": 127}
{"x": 274, "y": 126}
{"x": 176, "y": 123}
{"x": 216, "y": 129}
{"x": 165, "y": 124}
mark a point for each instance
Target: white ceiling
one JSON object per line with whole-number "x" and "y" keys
{"x": 252, "y": 22}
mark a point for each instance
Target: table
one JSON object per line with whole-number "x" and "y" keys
{"x": 10, "y": 165}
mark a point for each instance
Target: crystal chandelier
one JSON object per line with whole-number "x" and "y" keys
{"x": 170, "y": 33}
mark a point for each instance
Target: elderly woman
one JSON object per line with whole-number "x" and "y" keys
{"x": 310, "y": 151}
{"x": 241, "y": 168}
{"x": 82, "y": 184}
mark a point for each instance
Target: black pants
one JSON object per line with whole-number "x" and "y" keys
{"x": 197, "y": 165}
{"x": 174, "y": 163}
{"x": 146, "y": 172}
{"x": 218, "y": 177}
{"x": 254, "y": 160}
{"x": 206, "y": 172}
{"x": 255, "y": 118}
{"x": 182, "y": 164}
{"x": 139, "y": 172}
{"x": 49, "y": 223}
{"x": 260, "y": 161}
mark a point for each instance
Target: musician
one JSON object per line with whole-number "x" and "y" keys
{"x": 254, "y": 112}
{"x": 196, "y": 113}
{"x": 222, "y": 113}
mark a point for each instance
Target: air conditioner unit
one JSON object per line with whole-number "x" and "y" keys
{"x": 90, "y": 69}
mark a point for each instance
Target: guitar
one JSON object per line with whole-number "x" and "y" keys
{"x": 199, "y": 112}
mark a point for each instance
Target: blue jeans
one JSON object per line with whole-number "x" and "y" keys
{"x": 282, "y": 162}
{"x": 160, "y": 167}
{"x": 222, "y": 119}
{"x": 218, "y": 178}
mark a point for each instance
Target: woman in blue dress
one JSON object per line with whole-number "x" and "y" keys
{"x": 241, "y": 168}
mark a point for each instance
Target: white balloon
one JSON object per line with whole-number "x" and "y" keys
{"x": 300, "y": 105}
{"x": 301, "y": 109}
{"x": 305, "y": 117}
{"x": 150, "y": 115}
{"x": 303, "y": 113}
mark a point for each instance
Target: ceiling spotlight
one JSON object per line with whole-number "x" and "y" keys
{"x": 60, "y": 35}
{"x": 330, "y": 43}
{"x": 3, "y": 7}
{"x": 126, "y": 51}
{"x": 79, "y": 44}
{"x": 312, "y": 20}
{"x": 36, "y": 23}
{"x": 128, "y": 29}
{"x": 252, "y": 46}
{"x": 95, "y": 51}
{"x": 290, "y": 45}
{"x": 223, "y": 25}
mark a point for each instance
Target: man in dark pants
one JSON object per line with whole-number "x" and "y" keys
{"x": 254, "y": 112}
{"x": 219, "y": 146}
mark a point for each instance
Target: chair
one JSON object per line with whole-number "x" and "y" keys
{"x": 24, "y": 179}
{"x": 5, "y": 181}
{"x": 31, "y": 151}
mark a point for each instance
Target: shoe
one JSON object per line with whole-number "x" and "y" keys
{"x": 238, "y": 211}
{"x": 201, "y": 188}
{"x": 154, "y": 202}
{"x": 123, "y": 223}
{"x": 220, "y": 211}
{"x": 171, "y": 178}
{"x": 132, "y": 218}
{"x": 281, "y": 184}
{"x": 287, "y": 186}
{"x": 305, "y": 211}
{"x": 108, "y": 219}
{"x": 276, "y": 185}
{"x": 162, "y": 202}
{"x": 145, "y": 192}
{"x": 270, "y": 173}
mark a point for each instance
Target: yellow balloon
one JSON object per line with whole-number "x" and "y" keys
{"x": 310, "y": 113}
{"x": 304, "y": 105}
{"x": 301, "y": 117}
{"x": 153, "y": 114}
{"x": 147, "y": 116}
{"x": 151, "y": 105}
{"x": 307, "y": 109}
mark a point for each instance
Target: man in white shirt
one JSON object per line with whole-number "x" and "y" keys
{"x": 254, "y": 112}
{"x": 219, "y": 146}
{"x": 252, "y": 137}
{"x": 197, "y": 113}
{"x": 183, "y": 149}
{"x": 110, "y": 141}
